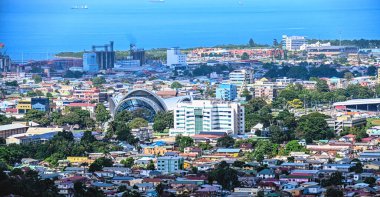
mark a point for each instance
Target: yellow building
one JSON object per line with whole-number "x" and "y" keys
{"x": 157, "y": 150}
{"x": 186, "y": 165}
{"x": 23, "y": 106}
{"x": 79, "y": 160}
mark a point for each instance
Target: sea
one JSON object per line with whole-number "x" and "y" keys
{"x": 37, "y": 29}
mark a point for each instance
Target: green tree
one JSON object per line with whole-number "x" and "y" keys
{"x": 238, "y": 164}
{"x": 11, "y": 83}
{"x": 160, "y": 189}
{"x": 226, "y": 141}
{"x": 225, "y": 176}
{"x": 163, "y": 120}
{"x": 123, "y": 132}
{"x": 356, "y": 91}
{"x": 296, "y": 104}
{"x": 245, "y": 56}
{"x": 246, "y": 94}
{"x": 98, "y": 81}
{"x": 372, "y": 71}
{"x": 49, "y": 95}
{"x": 183, "y": 142}
{"x": 322, "y": 86}
{"x": 72, "y": 74}
{"x": 137, "y": 123}
{"x": 293, "y": 146}
{"x": 87, "y": 137}
{"x": 37, "y": 78}
{"x": 102, "y": 115}
{"x": 251, "y": 43}
{"x": 287, "y": 119}
{"x": 334, "y": 192}
{"x": 257, "y": 111}
{"x": 131, "y": 193}
{"x": 128, "y": 162}
{"x": 99, "y": 163}
{"x": 150, "y": 166}
{"x": 298, "y": 72}
{"x": 176, "y": 85}
{"x": 357, "y": 168}
{"x": 124, "y": 116}
{"x": 5, "y": 120}
{"x": 263, "y": 148}
{"x": 348, "y": 76}
{"x": 277, "y": 135}
{"x": 336, "y": 178}
{"x": 37, "y": 116}
{"x": 313, "y": 127}
{"x": 370, "y": 180}
{"x": 205, "y": 146}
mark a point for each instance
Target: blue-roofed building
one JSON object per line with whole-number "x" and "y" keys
{"x": 105, "y": 187}
{"x": 266, "y": 173}
{"x": 233, "y": 152}
{"x": 227, "y": 92}
{"x": 25, "y": 138}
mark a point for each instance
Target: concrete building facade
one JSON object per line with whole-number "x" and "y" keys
{"x": 293, "y": 43}
{"x": 191, "y": 118}
{"x": 175, "y": 57}
{"x": 226, "y": 92}
{"x": 169, "y": 164}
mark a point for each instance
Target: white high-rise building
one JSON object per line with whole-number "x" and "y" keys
{"x": 293, "y": 43}
{"x": 241, "y": 78}
{"x": 193, "y": 117}
{"x": 175, "y": 57}
{"x": 89, "y": 62}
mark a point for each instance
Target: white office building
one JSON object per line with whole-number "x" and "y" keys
{"x": 89, "y": 62}
{"x": 241, "y": 78}
{"x": 293, "y": 43}
{"x": 195, "y": 116}
{"x": 175, "y": 57}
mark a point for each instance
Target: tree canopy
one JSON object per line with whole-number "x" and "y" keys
{"x": 313, "y": 127}
{"x": 226, "y": 141}
{"x": 176, "y": 85}
{"x": 163, "y": 120}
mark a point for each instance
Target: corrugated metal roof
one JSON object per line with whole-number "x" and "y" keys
{"x": 12, "y": 126}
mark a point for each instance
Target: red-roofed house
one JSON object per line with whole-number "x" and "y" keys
{"x": 84, "y": 106}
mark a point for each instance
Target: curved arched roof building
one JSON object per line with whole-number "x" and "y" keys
{"x": 145, "y": 100}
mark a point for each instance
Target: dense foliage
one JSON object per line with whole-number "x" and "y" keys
{"x": 61, "y": 146}
{"x": 225, "y": 176}
{"x": 305, "y": 71}
{"x": 183, "y": 141}
{"x": 26, "y": 183}
{"x": 162, "y": 121}
{"x": 204, "y": 70}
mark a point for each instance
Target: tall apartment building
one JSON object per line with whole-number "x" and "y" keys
{"x": 169, "y": 164}
{"x": 193, "y": 117}
{"x": 226, "y": 92}
{"x": 293, "y": 43}
{"x": 241, "y": 78}
{"x": 175, "y": 57}
{"x": 266, "y": 92}
{"x": 5, "y": 63}
{"x": 90, "y": 63}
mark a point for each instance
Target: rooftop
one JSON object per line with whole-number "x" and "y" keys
{"x": 12, "y": 126}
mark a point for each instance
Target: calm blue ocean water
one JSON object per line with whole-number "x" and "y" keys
{"x": 38, "y": 27}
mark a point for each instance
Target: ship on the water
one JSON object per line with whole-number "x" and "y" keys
{"x": 80, "y": 7}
